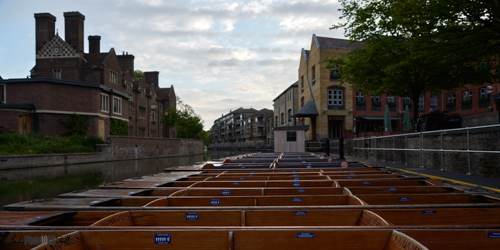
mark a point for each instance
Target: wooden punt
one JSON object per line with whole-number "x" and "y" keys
{"x": 80, "y": 204}
{"x": 239, "y": 239}
{"x": 146, "y": 184}
{"x": 248, "y": 201}
{"x": 262, "y": 178}
{"x": 433, "y": 198}
{"x": 240, "y": 184}
{"x": 384, "y": 183}
{"x": 314, "y": 165}
{"x": 403, "y": 190}
{"x": 119, "y": 193}
{"x": 365, "y": 176}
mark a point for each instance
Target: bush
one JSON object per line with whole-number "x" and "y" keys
{"x": 43, "y": 144}
{"x": 119, "y": 127}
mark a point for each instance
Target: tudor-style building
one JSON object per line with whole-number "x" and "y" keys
{"x": 66, "y": 80}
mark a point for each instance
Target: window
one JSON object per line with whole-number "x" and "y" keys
{"x": 360, "y": 97}
{"x": 335, "y": 72}
{"x": 467, "y": 96}
{"x": 434, "y": 102}
{"x": 142, "y": 132}
{"x": 450, "y": 98}
{"x": 129, "y": 87}
{"x": 143, "y": 93}
{"x": 112, "y": 76}
{"x": 291, "y": 136}
{"x": 390, "y": 99}
{"x": 421, "y": 102}
{"x": 276, "y": 121}
{"x": 290, "y": 115}
{"x": 142, "y": 112}
{"x": 56, "y": 50}
{"x": 483, "y": 94}
{"x": 131, "y": 107}
{"x": 376, "y": 100}
{"x": 335, "y": 98}
{"x": 302, "y": 84}
{"x": 117, "y": 105}
{"x": 153, "y": 115}
{"x": 407, "y": 101}
{"x": 282, "y": 118}
{"x": 56, "y": 73}
{"x": 302, "y": 102}
{"x": 313, "y": 74}
{"x": 104, "y": 102}
{"x": 3, "y": 94}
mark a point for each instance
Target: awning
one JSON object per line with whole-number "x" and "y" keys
{"x": 309, "y": 110}
{"x": 375, "y": 118}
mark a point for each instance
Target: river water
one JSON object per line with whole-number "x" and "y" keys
{"x": 48, "y": 182}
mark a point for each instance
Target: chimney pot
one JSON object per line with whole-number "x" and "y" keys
{"x": 94, "y": 44}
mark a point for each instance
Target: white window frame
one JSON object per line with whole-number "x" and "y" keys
{"x": 434, "y": 101}
{"x": 467, "y": 95}
{"x": 117, "y": 105}
{"x": 153, "y": 115}
{"x": 129, "y": 87}
{"x": 451, "y": 97}
{"x": 113, "y": 76}
{"x": 360, "y": 97}
{"x": 56, "y": 73}
{"x": 104, "y": 102}
{"x": 336, "y": 97}
{"x": 390, "y": 99}
{"x": 483, "y": 93}
{"x": 421, "y": 102}
{"x": 407, "y": 100}
{"x": 131, "y": 108}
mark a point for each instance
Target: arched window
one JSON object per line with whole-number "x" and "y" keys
{"x": 335, "y": 98}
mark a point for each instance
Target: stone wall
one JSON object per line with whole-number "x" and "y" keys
{"x": 483, "y": 164}
{"x": 118, "y": 148}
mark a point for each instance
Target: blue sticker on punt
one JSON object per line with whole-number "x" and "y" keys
{"x": 296, "y": 178}
{"x": 253, "y": 161}
{"x": 296, "y": 184}
{"x": 294, "y": 171}
{"x": 366, "y": 182}
{"x": 236, "y": 183}
{"x": 214, "y": 202}
{"x": 352, "y": 173}
{"x": 309, "y": 167}
{"x": 297, "y": 199}
{"x": 303, "y": 161}
{"x": 301, "y": 190}
{"x": 243, "y": 167}
{"x": 242, "y": 178}
{"x": 226, "y": 192}
{"x": 429, "y": 212}
{"x": 345, "y": 170}
{"x": 253, "y": 172}
{"x": 348, "y": 177}
{"x": 305, "y": 235}
{"x": 392, "y": 189}
{"x": 404, "y": 199}
{"x": 494, "y": 235}
{"x": 163, "y": 238}
{"x": 192, "y": 216}
{"x": 295, "y": 175}
{"x": 250, "y": 175}
{"x": 300, "y": 213}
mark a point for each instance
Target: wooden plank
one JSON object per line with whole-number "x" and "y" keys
{"x": 411, "y": 199}
{"x": 189, "y": 218}
{"x": 401, "y": 241}
{"x": 302, "y": 217}
{"x": 379, "y": 183}
{"x": 71, "y": 241}
{"x": 369, "y": 218}
{"x": 119, "y": 219}
{"x": 402, "y": 190}
{"x": 456, "y": 239}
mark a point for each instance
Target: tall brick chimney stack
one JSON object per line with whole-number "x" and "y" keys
{"x": 94, "y": 44}
{"x": 45, "y": 29}
{"x": 151, "y": 77}
{"x": 73, "y": 27}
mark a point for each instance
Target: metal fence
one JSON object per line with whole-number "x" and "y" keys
{"x": 427, "y": 147}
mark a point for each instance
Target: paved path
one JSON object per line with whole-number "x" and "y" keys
{"x": 491, "y": 183}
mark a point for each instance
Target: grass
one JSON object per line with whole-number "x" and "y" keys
{"x": 16, "y": 144}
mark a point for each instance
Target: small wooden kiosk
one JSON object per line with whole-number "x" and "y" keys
{"x": 290, "y": 139}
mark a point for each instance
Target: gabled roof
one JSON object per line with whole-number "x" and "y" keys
{"x": 64, "y": 49}
{"x": 335, "y": 43}
{"x": 295, "y": 84}
{"x": 308, "y": 110}
{"x": 163, "y": 93}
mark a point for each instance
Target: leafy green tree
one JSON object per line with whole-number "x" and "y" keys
{"x": 138, "y": 74}
{"x": 402, "y": 52}
{"x": 75, "y": 125}
{"x": 188, "y": 123}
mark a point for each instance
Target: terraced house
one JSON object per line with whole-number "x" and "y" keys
{"x": 66, "y": 80}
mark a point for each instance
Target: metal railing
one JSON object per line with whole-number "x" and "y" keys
{"x": 399, "y": 142}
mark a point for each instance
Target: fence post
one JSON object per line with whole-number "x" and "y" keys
{"x": 421, "y": 149}
{"x": 406, "y": 150}
{"x": 376, "y": 152}
{"x": 442, "y": 153}
{"x": 341, "y": 148}
{"x": 327, "y": 146}
{"x": 393, "y": 151}
{"x": 468, "y": 150}
{"x": 383, "y": 151}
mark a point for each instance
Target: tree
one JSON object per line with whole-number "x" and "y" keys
{"x": 75, "y": 124}
{"x": 138, "y": 74}
{"x": 189, "y": 124}
{"x": 402, "y": 52}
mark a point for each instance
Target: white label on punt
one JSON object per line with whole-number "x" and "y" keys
{"x": 304, "y": 161}
{"x": 214, "y": 202}
{"x": 163, "y": 238}
{"x": 300, "y": 213}
{"x": 297, "y": 199}
{"x": 305, "y": 235}
{"x": 404, "y": 199}
{"x": 296, "y": 184}
{"x": 192, "y": 216}
{"x": 226, "y": 192}
{"x": 494, "y": 235}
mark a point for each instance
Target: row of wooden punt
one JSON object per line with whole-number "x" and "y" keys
{"x": 239, "y": 208}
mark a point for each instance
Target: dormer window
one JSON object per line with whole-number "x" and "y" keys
{"x": 56, "y": 73}
{"x": 113, "y": 76}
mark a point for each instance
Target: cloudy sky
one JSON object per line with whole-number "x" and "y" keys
{"x": 219, "y": 55}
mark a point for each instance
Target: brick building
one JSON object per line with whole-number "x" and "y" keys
{"x": 66, "y": 80}
{"x": 243, "y": 128}
{"x": 286, "y": 105}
